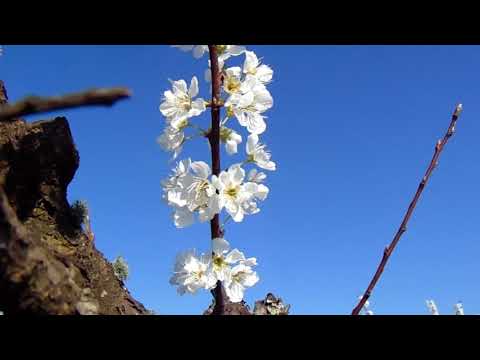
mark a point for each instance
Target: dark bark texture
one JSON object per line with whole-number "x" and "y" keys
{"x": 47, "y": 264}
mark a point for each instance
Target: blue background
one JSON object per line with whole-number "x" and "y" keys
{"x": 352, "y": 131}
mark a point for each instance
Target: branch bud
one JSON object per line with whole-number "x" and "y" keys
{"x": 458, "y": 110}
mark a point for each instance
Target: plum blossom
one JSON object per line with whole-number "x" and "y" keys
{"x": 256, "y": 177}
{"x": 231, "y": 191}
{"x": 231, "y": 139}
{"x": 459, "y": 309}
{"x": 252, "y": 66}
{"x": 189, "y": 191}
{"x": 223, "y": 258}
{"x": 238, "y": 198}
{"x": 179, "y": 105}
{"x": 192, "y": 273}
{"x": 237, "y": 278}
{"x": 225, "y": 52}
{"x": 258, "y": 154}
{"x": 249, "y": 106}
{"x": 193, "y": 192}
{"x": 172, "y": 140}
{"x": 232, "y": 81}
{"x": 432, "y": 307}
{"x": 240, "y": 278}
{"x": 197, "y": 50}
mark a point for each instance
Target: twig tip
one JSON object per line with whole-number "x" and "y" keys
{"x": 458, "y": 110}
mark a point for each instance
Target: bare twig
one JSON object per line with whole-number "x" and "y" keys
{"x": 403, "y": 227}
{"x": 35, "y": 104}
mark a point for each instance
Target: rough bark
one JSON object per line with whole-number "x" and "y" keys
{"x": 47, "y": 264}
{"x": 271, "y": 305}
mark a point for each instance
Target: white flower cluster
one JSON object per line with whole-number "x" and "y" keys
{"x": 193, "y": 272}
{"x": 432, "y": 307}
{"x": 193, "y": 192}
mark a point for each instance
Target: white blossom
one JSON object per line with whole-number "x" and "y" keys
{"x": 172, "y": 140}
{"x": 232, "y": 81}
{"x": 432, "y": 307}
{"x": 249, "y": 105}
{"x": 189, "y": 191}
{"x": 197, "y": 187}
{"x": 223, "y": 258}
{"x": 459, "y": 309}
{"x": 236, "y": 279}
{"x": 231, "y": 191}
{"x": 256, "y": 177}
{"x": 226, "y": 51}
{"x": 237, "y": 197}
{"x": 258, "y": 154}
{"x": 192, "y": 273}
{"x": 252, "y": 66}
{"x": 255, "y": 192}
{"x": 197, "y": 50}
{"x": 183, "y": 217}
{"x": 240, "y": 278}
{"x": 231, "y": 139}
{"x": 172, "y": 193}
{"x": 179, "y": 105}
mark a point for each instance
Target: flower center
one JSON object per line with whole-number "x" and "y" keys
{"x": 219, "y": 262}
{"x": 186, "y": 104}
{"x": 183, "y": 124}
{"x": 232, "y": 192}
{"x": 232, "y": 85}
{"x": 221, "y": 49}
{"x": 199, "y": 274}
{"x": 201, "y": 192}
{"x": 225, "y": 133}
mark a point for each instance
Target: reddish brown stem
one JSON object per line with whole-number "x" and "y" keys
{"x": 403, "y": 226}
{"x": 214, "y": 139}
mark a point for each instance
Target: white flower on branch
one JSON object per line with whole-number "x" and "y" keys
{"x": 172, "y": 140}
{"x": 192, "y": 273}
{"x": 189, "y": 191}
{"x": 255, "y": 192}
{"x": 459, "y": 309}
{"x": 237, "y": 197}
{"x": 249, "y": 105}
{"x": 236, "y": 279}
{"x": 225, "y": 52}
{"x": 179, "y": 105}
{"x": 231, "y": 139}
{"x": 240, "y": 278}
{"x": 197, "y": 50}
{"x": 258, "y": 154}
{"x": 232, "y": 80}
{"x": 223, "y": 258}
{"x": 183, "y": 217}
{"x": 252, "y": 66}
{"x": 256, "y": 177}
{"x": 199, "y": 192}
{"x": 432, "y": 307}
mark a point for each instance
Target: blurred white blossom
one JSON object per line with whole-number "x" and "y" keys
{"x": 432, "y": 307}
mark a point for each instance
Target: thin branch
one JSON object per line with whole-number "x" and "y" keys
{"x": 214, "y": 139}
{"x": 403, "y": 226}
{"x": 34, "y": 104}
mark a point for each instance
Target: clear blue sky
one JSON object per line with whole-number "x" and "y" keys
{"x": 352, "y": 131}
